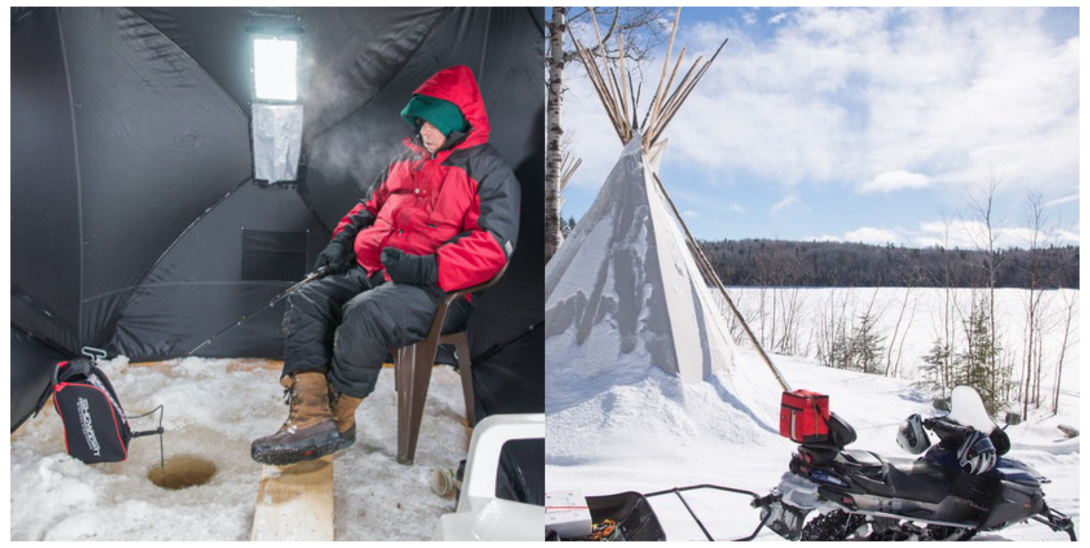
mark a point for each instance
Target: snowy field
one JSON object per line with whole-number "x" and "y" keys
{"x": 616, "y": 425}
{"x": 909, "y": 320}
{"x": 214, "y": 408}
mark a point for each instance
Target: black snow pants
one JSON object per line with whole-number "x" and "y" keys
{"x": 346, "y": 324}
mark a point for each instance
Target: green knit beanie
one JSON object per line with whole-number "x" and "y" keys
{"x": 444, "y": 115}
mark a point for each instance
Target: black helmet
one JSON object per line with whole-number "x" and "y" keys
{"x": 977, "y": 454}
{"x": 911, "y": 436}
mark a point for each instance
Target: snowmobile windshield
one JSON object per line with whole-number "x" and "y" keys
{"x": 967, "y": 409}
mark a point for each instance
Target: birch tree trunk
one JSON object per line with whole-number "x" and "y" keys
{"x": 554, "y": 131}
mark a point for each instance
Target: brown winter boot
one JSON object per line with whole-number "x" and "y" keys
{"x": 344, "y": 410}
{"x": 310, "y": 431}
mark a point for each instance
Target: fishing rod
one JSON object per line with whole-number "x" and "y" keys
{"x": 312, "y": 276}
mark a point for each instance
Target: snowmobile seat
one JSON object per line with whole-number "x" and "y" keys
{"x": 412, "y": 372}
{"x": 921, "y": 480}
{"x": 867, "y": 463}
{"x": 862, "y": 458}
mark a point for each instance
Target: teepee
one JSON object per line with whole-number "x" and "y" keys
{"x": 629, "y": 285}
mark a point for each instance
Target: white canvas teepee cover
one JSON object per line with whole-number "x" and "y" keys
{"x": 624, "y": 289}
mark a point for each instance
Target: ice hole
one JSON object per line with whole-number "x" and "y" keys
{"x": 182, "y": 471}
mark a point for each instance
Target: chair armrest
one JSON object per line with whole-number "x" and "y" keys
{"x": 456, "y": 294}
{"x": 450, "y": 297}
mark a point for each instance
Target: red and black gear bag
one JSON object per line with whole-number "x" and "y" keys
{"x": 804, "y": 416}
{"x": 95, "y": 427}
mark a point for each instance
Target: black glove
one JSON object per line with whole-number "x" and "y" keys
{"x": 404, "y": 268}
{"x": 337, "y": 257}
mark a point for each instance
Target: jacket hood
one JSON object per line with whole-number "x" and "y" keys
{"x": 457, "y": 85}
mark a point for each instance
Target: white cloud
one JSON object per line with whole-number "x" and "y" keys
{"x": 776, "y": 19}
{"x": 750, "y": 17}
{"x": 895, "y": 180}
{"x": 974, "y": 235}
{"x": 949, "y": 234}
{"x": 867, "y": 100}
{"x": 1067, "y": 237}
{"x": 737, "y": 208}
{"x": 690, "y": 214}
{"x": 872, "y": 235}
{"x": 788, "y": 203}
{"x": 839, "y": 95}
{"x": 1059, "y": 201}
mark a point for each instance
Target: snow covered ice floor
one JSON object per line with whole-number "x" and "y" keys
{"x": 655, "y": 433}
{"x": 214, "y": 408}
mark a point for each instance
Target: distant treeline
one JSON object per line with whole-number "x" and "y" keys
{"x": 837, "y": 264}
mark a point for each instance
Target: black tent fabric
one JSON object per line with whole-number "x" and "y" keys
{"x": 137, "y": 227}
{"x": 25, "y": 348}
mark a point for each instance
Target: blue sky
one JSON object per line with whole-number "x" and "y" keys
{"x": 868, "y": 125}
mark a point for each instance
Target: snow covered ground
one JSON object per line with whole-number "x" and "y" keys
{"x": 651, "y": 432}
{"x": 214, "y": 408}
{"x": 612, "y": 426}
{"x": 909, "y": 321}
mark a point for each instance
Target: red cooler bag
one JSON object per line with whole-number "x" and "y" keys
{"x": 804, "y": 416}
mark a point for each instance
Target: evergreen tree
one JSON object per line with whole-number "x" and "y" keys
{"x": 567, "y": 226}
{"x": 860, "y": 350}
{"x": 868, "y": 345}
{"x": 975, "y": 365}
{"x": 937, "y": 367}
{"x": 841, "y": 354}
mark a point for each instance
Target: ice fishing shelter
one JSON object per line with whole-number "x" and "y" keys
{"x": 138, "y": 226}
{"x": 629, "y": 283}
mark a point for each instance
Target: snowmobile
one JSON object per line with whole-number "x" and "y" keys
{"x": 861, "y": 495}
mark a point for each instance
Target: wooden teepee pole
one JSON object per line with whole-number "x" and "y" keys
{"x": 668, "y": 105}
{"x": 656, "y": 101}
{"x": 605, "y": 59}
{"x": 653, "y": 113}
{"x": 621, "y": 91}
{"x": 600, "y": 87}
{"x": 618, "y": 91}
{"x": 685, "y": 93}
{"x": 568, "y": 167}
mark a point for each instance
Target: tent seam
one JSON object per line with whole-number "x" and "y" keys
{"x": 112, "y": 323}
{"x": 79, "y": 179}
{"x": 440, "y": 19}
{"x": 196, "y": 63}
{"x": 484, "y": 44}
{"x": 539, "y": 24}
{"x": 192, "y": 283}
{"x": 16, "y": 21}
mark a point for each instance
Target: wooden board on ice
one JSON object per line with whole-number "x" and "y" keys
{"x": 295, "y": 502}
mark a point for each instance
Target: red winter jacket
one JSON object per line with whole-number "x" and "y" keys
{"x": 462, "y": 204}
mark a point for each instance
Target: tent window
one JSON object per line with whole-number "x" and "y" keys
{"x": 276, "y": 119}
{"x": 268, "y": 255}
{"x": 274, "y": 69}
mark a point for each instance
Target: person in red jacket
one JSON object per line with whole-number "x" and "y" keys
{"x": 444, "y": 217}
